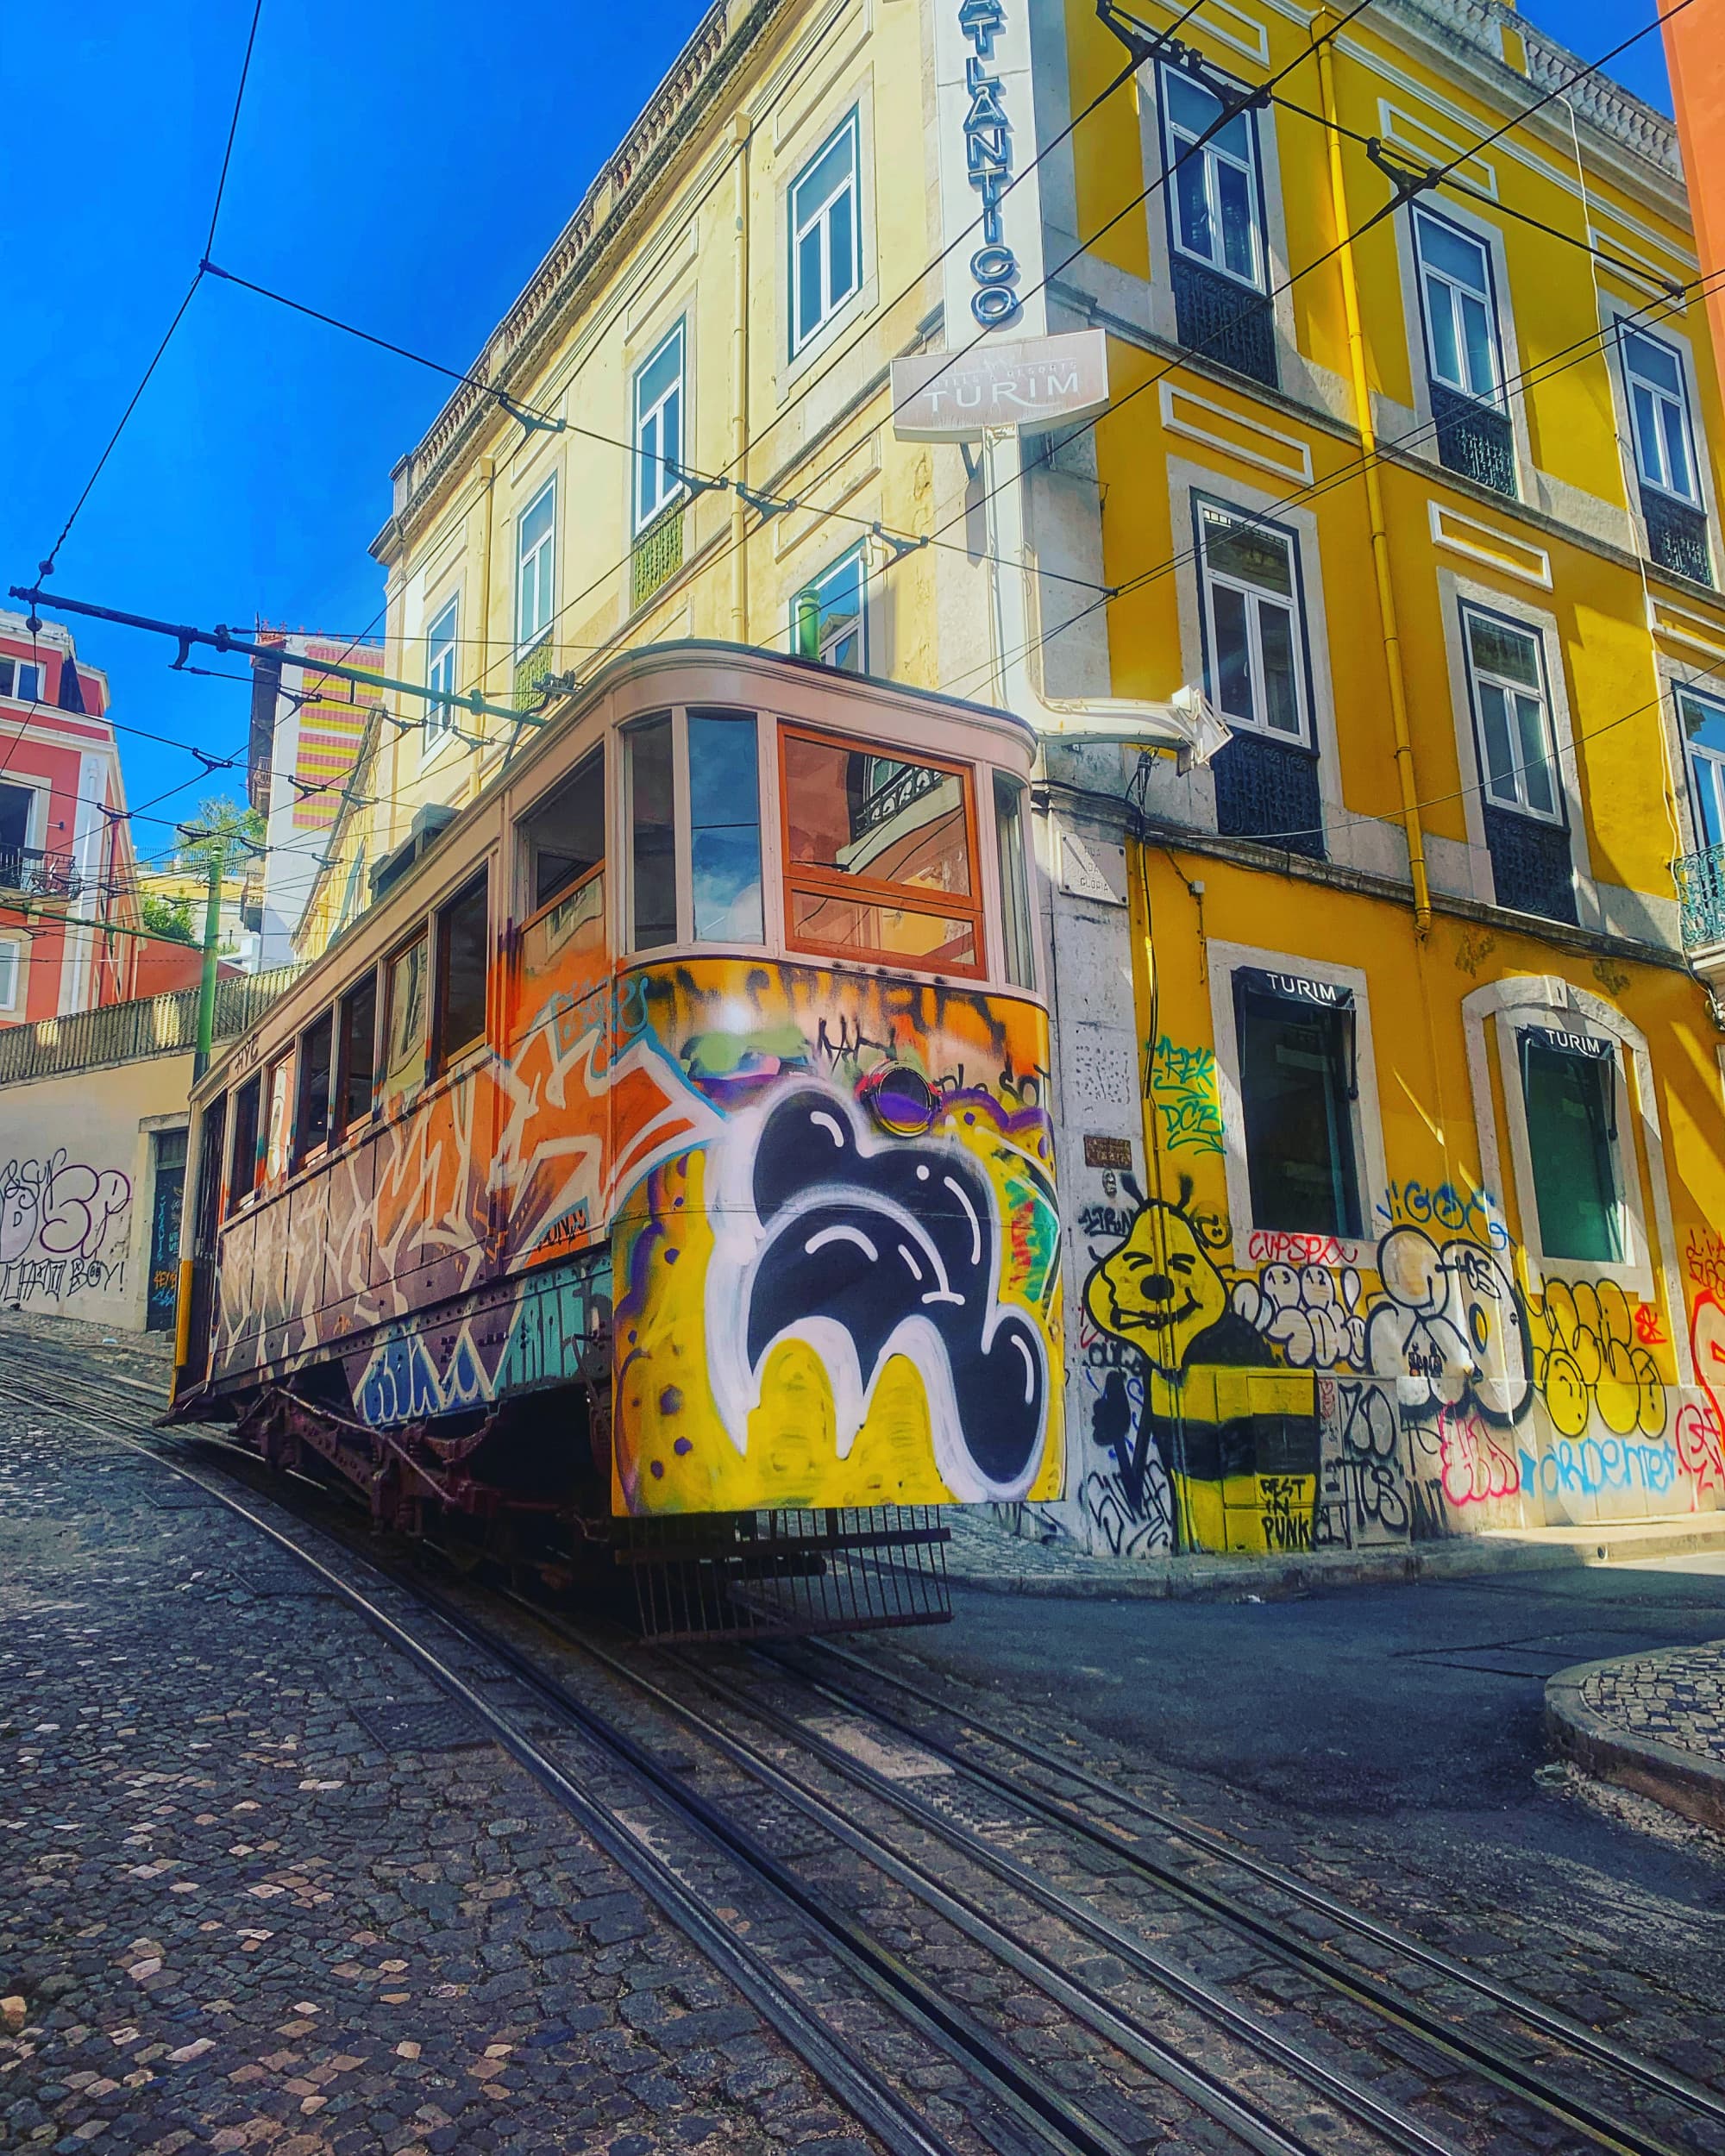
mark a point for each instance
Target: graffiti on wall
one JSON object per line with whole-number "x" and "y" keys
{"x": 1184, "y": 1086}
{"x": 65, "y": 1227}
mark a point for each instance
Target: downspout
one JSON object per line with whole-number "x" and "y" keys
{"x": 742, "y": 130}
{"x": 1374, "y": 501}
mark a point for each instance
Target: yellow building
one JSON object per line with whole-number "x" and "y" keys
{"x": 1389, "y": 1082}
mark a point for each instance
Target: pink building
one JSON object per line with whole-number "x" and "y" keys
{"x": 67, "y": 871}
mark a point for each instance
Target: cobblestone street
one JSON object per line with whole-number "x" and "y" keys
{"x": 243, "y": 1908}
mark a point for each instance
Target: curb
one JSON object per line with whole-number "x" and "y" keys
{"x": 1684, "y": 1782}
{"x": 1183, "y": 1578}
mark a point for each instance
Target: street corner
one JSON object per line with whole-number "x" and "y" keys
{"x": 1653, "y": 1723}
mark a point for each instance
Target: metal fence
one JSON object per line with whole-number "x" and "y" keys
{"x": 153, "y": 1025}
{"x": 1701, "y": 886}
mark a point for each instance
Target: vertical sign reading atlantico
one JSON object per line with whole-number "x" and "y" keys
{"x": 988, "y": 163}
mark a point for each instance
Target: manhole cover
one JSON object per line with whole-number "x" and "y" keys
{"x": 421, "y": 1725}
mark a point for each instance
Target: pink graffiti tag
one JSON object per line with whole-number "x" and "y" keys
{"x": 1475, "y": 1466}
{"x": 1700, "y": 1450}
{"x": 1279, "y": 1246}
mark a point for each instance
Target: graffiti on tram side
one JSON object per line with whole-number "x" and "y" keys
{"x": 65, "y": 1229}
{"x": 829, "y": 1199}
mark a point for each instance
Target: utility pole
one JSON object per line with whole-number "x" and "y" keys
{"x": 212, "y": 936}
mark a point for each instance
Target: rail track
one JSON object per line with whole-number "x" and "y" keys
{"x": 780, "y": 1804}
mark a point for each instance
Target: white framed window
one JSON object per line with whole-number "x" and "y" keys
{"x": 21, "y": 680}
{"x": 441, "y": 647}
{"x": 829, "y": 616}
{"x": 825, "y": 234}
{"x": 1658, "y": 410}
{"x": 659, "y": 429}
{"x": 11, "y": 968}
{"x": 1254, "y": 624}
{"x": 1458, "y": 301}
{"x": 536, "y": 549}
{"x": 1703, "y": 720}
{"x": 1511, "y": 706}
{"x": 1215, "y": 204}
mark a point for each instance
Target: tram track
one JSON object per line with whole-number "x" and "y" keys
{"x": 1052, "y": 2118}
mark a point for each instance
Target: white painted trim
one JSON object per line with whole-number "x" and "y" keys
{"x": 1442, "y": 513}
{"x": 1549, "y": 999}
{"x": 1712, "y": 642}
{"x": 1478, "y": 170}
{"x": 1169, "y": 391}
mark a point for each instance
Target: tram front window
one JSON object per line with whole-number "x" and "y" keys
{"x": 880, "y": 859}
{"x": 565, "y": 834}
{"x": 652, "y": 835}
{"x": 725, "y": 827}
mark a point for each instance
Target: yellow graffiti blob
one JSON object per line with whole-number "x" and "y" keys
{"x": 1586, "y": 1356}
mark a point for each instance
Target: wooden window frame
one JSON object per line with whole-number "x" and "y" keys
{"x": 299, "y": 1153}
{"x": 913, "y": 898}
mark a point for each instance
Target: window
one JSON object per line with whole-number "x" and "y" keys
{"x": 359, "y": 1051}
{"x": 1009, "y": 837}
{"x": 565, "y": 834}
{"x": 652, "y": 835}
{"x": 404, "y": 1047}
{"x": 311, "y": 1119}
{"x": 11, "y": 961}
{"x": 826, "y": 235}
{"x": 536, "y": 546}
{"x": 1252, "y": 607}
{"x": 275, "y": 1093}
{"x": 243, "y": 1162}
{"x": 15, "y": 804}
{"x": 1569, "y": 1085}
{"x": 878, "y": 856}
{"x": 725, "y": 827}
{"x": 1703, "y": 727}
{"x": 1506, "y": 669}
{"x": 463, "y": 956}
{"x": 21, "y": 680}
{"x": 1658, "y": 406}
{"x": 828, "y": 621}
{"x": 659, "y": 430}
{"x": 1297, "y": 1085}
{"x": 1213, "y": 205}
{"x": 440, "y": 663}
{"x": 1460, "y": 308}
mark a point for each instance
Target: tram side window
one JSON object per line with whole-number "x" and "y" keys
{"x": 404, "y": 1053}
{"x": 312, "y": 1118}
{"x": 1009, "y": 835}
{"x": 463, "y": 948}
{"x": 242, "y": 1161}
{"x": 652, "y": 835}
{"x": 725, "y": 827}
{"x": 879, "y": 857}
{"x": 565, "y": 834}
{"x": 275, "y": 1096}
{"x": 359, "y": 1051}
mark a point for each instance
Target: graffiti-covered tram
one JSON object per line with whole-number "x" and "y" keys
{"x": 659, "y": 1173}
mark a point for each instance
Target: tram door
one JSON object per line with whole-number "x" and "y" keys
{"x": 168, "y": 1185}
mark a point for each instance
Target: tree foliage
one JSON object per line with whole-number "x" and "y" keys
{"x": 169, "y": 917}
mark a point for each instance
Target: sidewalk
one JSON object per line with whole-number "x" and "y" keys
{"x": 992, "y": 1559}
{"x": 1653, "y": 1722}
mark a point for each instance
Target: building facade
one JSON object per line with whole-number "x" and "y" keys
{"x": 70, "y": 924}
{"x": 1387, "y": 1073}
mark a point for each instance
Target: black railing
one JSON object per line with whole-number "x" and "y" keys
{"x": 1268, "y": 789}
{"x": 37, "y": 875}
{"x": 1531, "y": 868}
{"x": 1701, "y": 886}
{"x": 1474, "y": 439}
{"x": 1677, "y": 536}
{"x": 151, "y": 1025}
{"x": 1225, "y": 322}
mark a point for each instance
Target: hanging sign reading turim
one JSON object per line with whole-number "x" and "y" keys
{"x": 1014, "y": 382}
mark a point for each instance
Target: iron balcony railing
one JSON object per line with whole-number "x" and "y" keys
{"x": 120, "y": 1032}
{"x": 38, "y": 875}
{"x": 1701, "y": 886}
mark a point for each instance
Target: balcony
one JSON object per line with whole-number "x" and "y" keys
{"x": 1223, "y": 319}
{"x": 657, "y": 557}
{"x": 1701, "y": 887}
{"x": 34, "y": 874}
{"x": 1474, "y": 439}
{"x": 1677, "y": 536}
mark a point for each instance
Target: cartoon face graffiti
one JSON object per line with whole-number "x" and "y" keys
{"x": 866, "y": 1252}
{"x": 1160, "y": 1290}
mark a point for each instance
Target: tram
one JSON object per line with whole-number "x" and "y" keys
{"x": 658, "y": 1176}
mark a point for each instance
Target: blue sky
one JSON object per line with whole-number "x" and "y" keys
{"x": 403, "y": 164}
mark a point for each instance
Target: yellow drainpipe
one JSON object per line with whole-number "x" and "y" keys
{"x": 1374, "y": 500}
{"x": 741, "y": 130}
